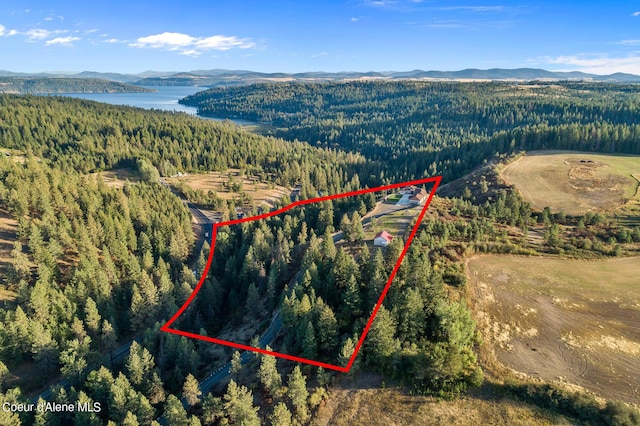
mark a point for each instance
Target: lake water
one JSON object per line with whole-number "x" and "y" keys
{"x": 166, "y": 98}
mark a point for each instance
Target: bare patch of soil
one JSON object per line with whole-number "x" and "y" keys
{"x": 568, "y": 321}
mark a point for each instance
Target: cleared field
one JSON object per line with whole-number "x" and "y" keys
{"x": 8, "y": 227}
{"x": 362, "y": 402}
{"x": 387, "y": 216}
{"x": 116, "y": 178}
{"x": 574, "y": 182}
{"x": 219, "y": 182}
{"x": 564, "y": 320}
{"x": 14, "y": 154}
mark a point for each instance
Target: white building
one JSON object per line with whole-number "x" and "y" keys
{"x": 382, "y": 239}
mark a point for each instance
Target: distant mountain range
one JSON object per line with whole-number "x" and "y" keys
{"x": 222, "y": 77}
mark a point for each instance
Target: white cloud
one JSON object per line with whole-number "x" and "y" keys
{"x": 48, "y": 18}
{"x": 635, "y": 14}
{"x": 12, "y": 33}
{"x": 2, "y": 28}
{"x": 629, "y": 42}
{"x": 191, "y": 52}
{"x": 220, "y": 42}
{"x": 355, "y": 19}
{"x": 37, "y": 34}
{"x": 171, "y": 41}
{"x": 190, "y": 45}
{"x": 40, "y": 34}
{"x": 319, "y": 54}
{"x": 598, "y": 64}
{"x": 64, "y": 41}
{"x": 112, "y": 40}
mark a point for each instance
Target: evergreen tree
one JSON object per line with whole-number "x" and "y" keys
{"x": 174, "y": 412}
{"x": 86, "y": 417}
{"x": 346, "y": 352}
{"x": 298, "y": 393}
{"x": 380, "y": 343}
{"x": 236, "y": 363}
{"x": 4, "y": 373}
{"x": 238, "y": 403}
{"x": 92, "y": 317}
{"x": 346, "y": 228}
{"x": 327, "y": 328}
{"x": 268, "y": 373}
{"x": 357, "y": 231}
{"x": 309, "y": 344}
{"x": 156, "y": 390}
{"x": 281, "y": 415}
{"x": 73, "y": 359}
{"x": 44, "y": 348}
{"x": 108, "y": 336}
{"x": 328, "y": 248}
{"x": 130, "y": 419}
{"x": 191, "y": 390}
{"x": 212, "y": 409}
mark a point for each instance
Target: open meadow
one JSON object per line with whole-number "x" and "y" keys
{"x": 572, "y": 321}
{"x": 222, "y": 184}
{"x": 8, "y": 228}
{"x": 575, "y": 182}
{"x": 116, "y": 178}
{"x": 361, "y": 401}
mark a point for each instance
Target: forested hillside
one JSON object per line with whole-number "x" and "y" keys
{"x": 94, "y": 266}
{"x": 88, "y": 136}
{"x": 413, "y": 129}
{"x": 65, "y": 85}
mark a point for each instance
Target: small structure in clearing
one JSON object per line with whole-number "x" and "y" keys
{"x": 382, "y": 239}
{"x": 418, "y": 196}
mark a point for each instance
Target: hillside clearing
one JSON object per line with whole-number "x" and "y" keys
{"x": 8, "y": 228}
{"x": 573, "y": 321}
{"x": 574, "y": 182}
{"x": 363, "y": 402}
{"x": 222, "y": 184}
{"x": 116, "y": 178}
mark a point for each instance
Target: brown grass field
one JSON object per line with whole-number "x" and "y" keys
{"x": 215, "y": 181}
{"x": 575, "y": 182}
{"x": 116, "y": 178}
{"x": 14, "y": 154}
{"x": 361, "y": 401}
{"x": 570, "y": 321}
{"x": 8, "y": 227}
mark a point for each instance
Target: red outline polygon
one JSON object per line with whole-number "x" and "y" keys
{"x": 435, "y": 180}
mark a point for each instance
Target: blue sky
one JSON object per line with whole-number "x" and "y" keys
{"x": 293, "y": 36}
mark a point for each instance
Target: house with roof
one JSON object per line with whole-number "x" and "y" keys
{"x": 408, "y": 190}
{"x": 418, "y": 196}
{"x": 382, "y": 239}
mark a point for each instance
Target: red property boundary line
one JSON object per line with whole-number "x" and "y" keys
{"x": 166, "y": 327}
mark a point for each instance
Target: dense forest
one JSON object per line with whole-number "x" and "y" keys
{"x": 95, "y": 266}
{"x": 413, "y": 129}
{"x": 43, "y": 85}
